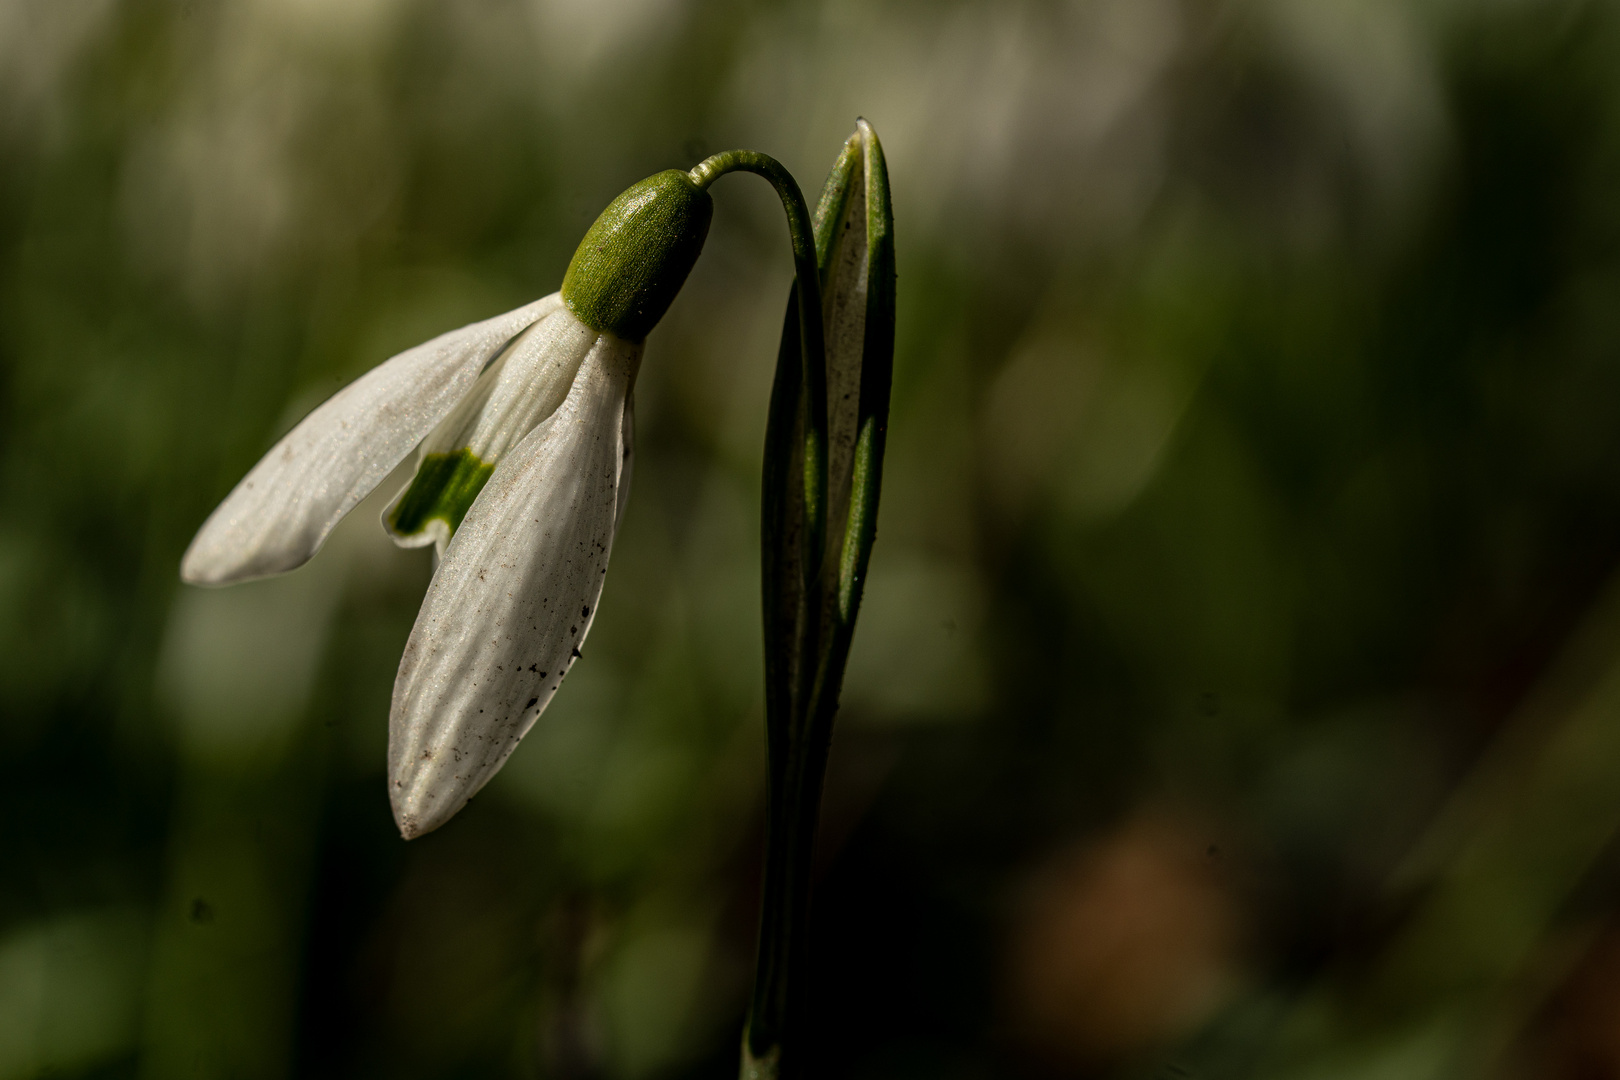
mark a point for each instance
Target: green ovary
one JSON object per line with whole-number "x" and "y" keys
{"x": 444, "y": 488}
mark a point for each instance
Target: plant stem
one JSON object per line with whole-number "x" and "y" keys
{"x": 792, "y": 546}
{"x": 807, "y": 291}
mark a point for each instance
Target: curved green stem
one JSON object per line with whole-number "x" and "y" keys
{"x": 812, "y": 351}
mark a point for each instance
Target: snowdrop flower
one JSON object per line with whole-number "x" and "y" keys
{"x": 522, "y": 425}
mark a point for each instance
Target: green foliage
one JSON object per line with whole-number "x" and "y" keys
{"x": 1249, "y": 503}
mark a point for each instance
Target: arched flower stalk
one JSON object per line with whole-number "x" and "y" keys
{"x": 522, "y": 427}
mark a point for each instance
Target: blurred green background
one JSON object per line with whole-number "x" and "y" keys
{"x": 1238, "y": 688}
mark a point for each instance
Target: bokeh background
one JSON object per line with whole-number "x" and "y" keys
{"x": 1238, "y": 689}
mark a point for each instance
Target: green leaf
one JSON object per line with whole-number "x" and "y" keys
{"x": 855, "y": 249}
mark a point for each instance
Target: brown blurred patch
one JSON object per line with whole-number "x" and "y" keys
{"x": 1577, "y": 1035}
{"x": 1120, "y": 943}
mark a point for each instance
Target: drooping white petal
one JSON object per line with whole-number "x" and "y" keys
{"x": 282, "y": 511}
{"x": 513, "y": 599}
{"x": 519, "y": 389}
{"x": 628, "y": 436}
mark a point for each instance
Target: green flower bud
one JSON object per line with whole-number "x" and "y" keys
{"x": 636, "y": 257}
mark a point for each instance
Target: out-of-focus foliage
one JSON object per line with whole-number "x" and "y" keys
{"x": 1238, "y": 688}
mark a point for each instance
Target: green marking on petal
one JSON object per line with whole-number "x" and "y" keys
{"x": 444, "y": 489}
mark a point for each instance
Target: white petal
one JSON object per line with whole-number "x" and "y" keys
{"x": 523, "y": 386}
{"x": 627, "y": 429}
{"x": 281, "y": 512}
{"x": 513, "y": 599}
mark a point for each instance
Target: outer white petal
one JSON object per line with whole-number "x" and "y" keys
{"x": 513, "y": 599}
{"x": 281, "y": 512}
{"x": 627, "y": 434}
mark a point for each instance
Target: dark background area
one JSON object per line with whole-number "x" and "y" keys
{"x": 1237, "y": 693}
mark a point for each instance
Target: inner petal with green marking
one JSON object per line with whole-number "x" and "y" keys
{"x": 517, "y": 391}
{"x": 442, "y": 491}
